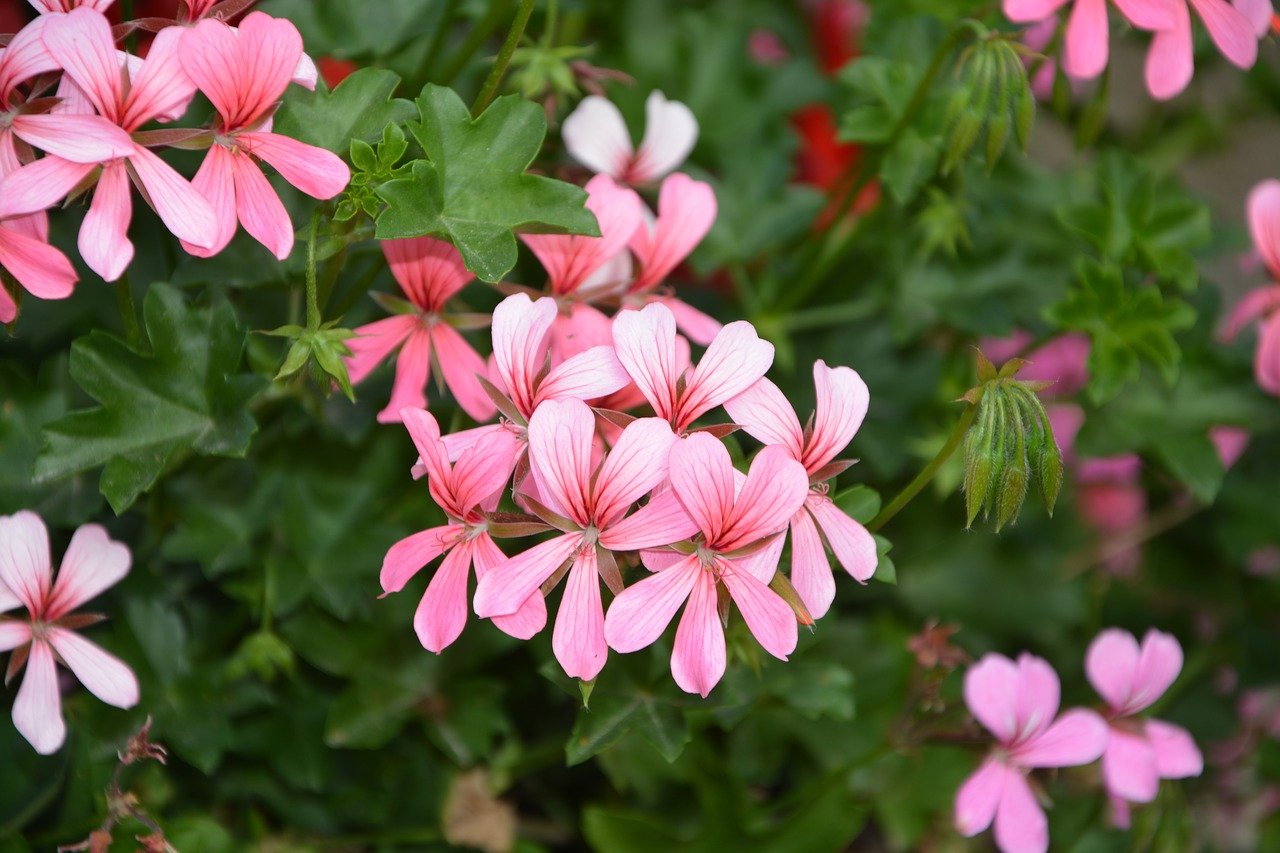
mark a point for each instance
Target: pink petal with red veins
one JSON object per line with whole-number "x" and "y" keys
{"x": 104, "y": 235}
{"x": 853, "y": 546}
{"x": 77, "y": 138}
{"x": 1111, "y": 665}
{"x": 25, "y": 566}
{"x": 990, "y": 692}
{"x": 770, "y": 619}
{"x": 259, "y": 208}
{"x": 698, "y": 657}
{"x": 560, "y": 438}
{"x": 736, "y": 359}
{"x": 635, "y": 465}
{"x": 1036, "y": 703}
{"x": 702, "y": 478}
{"x": 504, "y": 589}
{"x": 211, "y": 59}
{"x": 483, "y": 470}
{"x": 103, "y": 674}
{"x": 645, "y": 341}
{"x": 39, "y": 185}
{"x": 413, "y": 368}
{"x": 1027, "y": 11}
{"x": 93, "y": 563}
{"x": 810, "y": 572}
{"x": 429, "y": 271}
{"x": 520, "y": 330}
{"x": 842, "y": 405}
{"x": 588, "y": 375}
{"x": 662, "y": 521}
{"x": 570, "y": 259}
{"x": 686, "y": 212}
{"x": 1151, "y": 14}
{"x": 774, "y": 491}
{"x": 407, "y": 557}
{"x": 461, "y": 364}
{"x": 37, "y": 710}
{"x": 1170, "y": 60}
{"x": 531, "y": 616}
{"x": 642, "y": 611}
{"x": 318, "y": 173}
{"x": 442, "y": 612}
{"x": 162, "y": 88}
{"x": 578, "y": 636}
{"x": 183, "y": 210}
{"x": 767, "y": 416}
{"x": 215, "y": 180}
{"x": 40, "y": 268}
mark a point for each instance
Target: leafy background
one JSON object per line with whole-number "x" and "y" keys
{"x": 299, "y": 709}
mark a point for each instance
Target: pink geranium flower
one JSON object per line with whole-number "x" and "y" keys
{"x": 734, "y": 516}
{"x": 1140, "y": 751}
{"x": 1170, "y": 61}
{"x": 597, "y": 137}
{"x": 1087, "y": 38}
{"x": 465, "y": 491}
{"x": 244, "y": 72}
{"x": 764, "y": 412}
{"x": 41, "y": 269}
{"x": 679, "y": 394}
{"x": 1018, "y": 703}
{"x": 54, "y": 6}
{"x": 430, "y": 272}
{"x": 1263, "y": 304}
{"x": 91, "y": 564}
{"x": 588, "y": 499}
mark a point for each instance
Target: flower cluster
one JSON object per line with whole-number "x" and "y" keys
{"x": 91, "y": 128}
{"x": 1263, "y": 304}
{"x": 1017, "y": 701}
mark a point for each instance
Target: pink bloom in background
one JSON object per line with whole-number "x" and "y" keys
{"x": 1262, "y": 305}
{"x": 244, "y": 72}
{"x": 1111, "y": 500}
{"x": 91, "y": 564}
{"x": 48, "y": 6}
{"x": 1087, "y": 37}
{"x": 1230, "y": 442}
{"x": 686, "y": 212}
{"x": 1171, "y": 62}
{"x": 464, "y": 491}
{"x": 591, "y": 497}
{"x": 764, "y": 412}
{"x": 1062, "y": 360}
{"x": 680, "y": 394}
{"x": 597, "y": 137}
{"x": 430, "y": 272}
{"x": 734, "y": 515}
{"x": 1140, "y": 751}
{"x": 1018, "y": 703}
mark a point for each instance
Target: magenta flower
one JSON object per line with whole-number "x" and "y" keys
{"x": 244, "y": 72}
{"x": 679, "y": 394}
{"x": 1087, "y": 38}
{"x": 92, "y": 563}
{"x": 588, "y": 500}
{"x": 465, "y": 491}
{"x": 1140, "y": 751}
{"x": 128, "y": 95}
{"x": 734, "y": 515}
{"x": 764, "y": 412}
{"x": 1170, "y": 61}
{"x": 1263, "y": 304}
{"x": 1018, "y": 703}
{"x": 597, "y": 137}
{"x": 430, "y": 272}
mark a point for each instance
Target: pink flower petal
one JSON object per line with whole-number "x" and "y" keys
{"x": 588, "y": 375}
{"x": 1177, "y": 756}
{"x": 161, "y": 89}
{"x": 1151, "y": 14}
{"x": 259, "y": 208}
{"x": 1036, "y": 703}
{"x": 698, "y": 657}
{"x": 1158, "y": 666}
{"x": 736, "y": 359}
{"x": 211, "y": 58}
{"x": 662, "y": 521}
{"x": 1230, "y": 30}
{"x": 702, "y": 478}
{"x": 1087, "y": 37}
{"x": 374, "y": 342}
{"x": 25, "y": 56}
{"x": 1257, "y": 12}
{"x": 407, "y": 557}
{"x": 182, "y": 209}
{"x": 843, "y": 399}
{"x": 1170, "y": 60}
{"x": 686, "y": 212}
{"x": 1263, "y": 209}
{"x": 430, "y": 271}
{"x": 978, "y": 797}
{"x": 104, "y": 242}
{"x": 578, "y": 636}
{"x": 442, "y": 612}
{"x": 774, "y": 491}
{"x": 560, "y": 439}
{"x": 93, "y": 562}
{"x": 597, "y": 137}
{"x": 81, "y": 44}
{"x": 1129, "y": 767}
{"x": 77, "y": 138}
{"x": 424, "y": 431}
{"x": 670, "y": 132}
{"x": 852, "y": 545}
{"x": 810, "y": 572}
{"x": 318, "y": 173}
{"x": 1076, "y": 737}
{"x": 1256, "y": 304}
{"x": 1028, "y": 11}
{"x": 531, "y": 616}
{"x": 990, "y": 692}
{"x": 247, "y": 73}
{"x": 520, "y": 330}
{"x": 103, "y": 674}
{"x": 37, "y": 710}
{"x": 504, "y": 589}
{"x": 646, "y": 346}
{"x": 697, "y": 326}
{"x": 1266, "y": 361}
{"x": 413, "y": 368}
{"x": 1021, "y": 826}
{"x": 642, "y": 611}
{"x": 770, "y": 619}
{"x": 569, "y": 259}
{"x": 483, "y": 470}
{"x": 635, "y": 465}
{"x": 40, "y": 268}
{"x": 215, "y": 180}
{"x": 13, "y": 633}
{"x": 767, "y": 416}
{"x": 39, "y": 185}
{"x": 25, "y": 566}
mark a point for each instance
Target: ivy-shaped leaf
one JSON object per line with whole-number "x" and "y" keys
{"x": 473, "y": 190}
{"x": 360, "y": 107}
{"x": 185, "y": 394}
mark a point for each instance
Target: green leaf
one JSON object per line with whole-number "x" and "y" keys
{"x": 908, "y": 165}
{"x": 473, "y": 190}
{"x": 358, "y": 109}
{"x": 861, "y": 503}
{"x": 373, "y": 709}
{"x": 614, "y": 714}
{"x": 184, "y": 395}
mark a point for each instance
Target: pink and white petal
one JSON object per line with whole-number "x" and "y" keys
{"x": 990, "y": 692}
{"x": 1257, "y": 12}
{"x": 1077, "y": 737}
{"x": 842, "y": 405}
{"x": 1029, "y": 11}
{"x": 25, "y": 566}
{"x": 686, "y": 212}
{"x": 82, "y": 45}
{"x": 483, "y": 470}
{"x": 1158, "y": 666}
{"x": 645, "y": 341}
{"x": 520, "y": 329}
{"x": 305, "y": 73}
{"x": 40, "y": 268}
{"x": 1177, "y": 756}
{"x": 578, "y": 636}
{"x": 103, "y": 674}
{"x": 699, "y": 327}
{"x": 413, "y": 368}
{"x": 259, "y": 208}
{"x": 424, "y": 432}
{"x": 662, "y": 521}
{"x": 374, "y": 342}
{"x": 670, "y": 132}
{"x": 93, "y": 562}
{"x": 1230, "y": 30}
{"x": 504, "y": 589}
{"x": 269, "y": 50}
{"x": 531, "y": 616}
{"x": 461, "y": 364}
{"x": 979, "y": 795}
{"x": 1129, "y": 767}
{"x": 184, "y": 211}
{"x": 211, "y": 58}
{"x": 457, "y": 443}
{"x": 852, "y": 545}
{"x": 810, "y": 571}
{"x": 407, "y": 557}
{"x": 1087, "y": 37}
{"x": 1170, "y": 59}
{"x": 642, "y": 611}
{"x": 40, "y": 185}
{"x": 1151, "y": 14}
{"x": 318, "y": 173}
{"x": 13, "y": 633}
{"x": 86, "y": 139}
{"x": 161, "y": 88}
{"x": 702, "y": 477}
{"x": 773, "y": 492}
{"x": 570, "y": 260}
{"x": 736, "y": 359}
{"x": 597, "y": 137}
{"x": 37, "y": 710}
{"x": 430, "y": 271}
{"x": 635, "y": 465}
{"x": 25, "y": 56}
{"x": 1021, "y": 826}
{"x": 589, "y": 375}
{"x": 442, "y": 612}
{"x": 1111, "y": 665}
{"x": 104, "y": 235}
{"x": 767, "y": 416}
{"x": 659, "y": 560}
{"x": 771, "y": 620}
{"x": 764, "y": 562}
{"x": 698, "y": 656}
{"x": 1039, "y": 692}
{"x": 560, "y": 445}
{"x": 215, "y": 181}
{"x": 1263, "y": 209}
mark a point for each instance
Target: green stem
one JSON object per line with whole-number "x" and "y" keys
{"x": 549, "y": 33}
{"x": 922, "y": 479}
{"x": 128, "y": 312}
{"x": 494, "y": 80}
{"x": 313, "y": 304}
